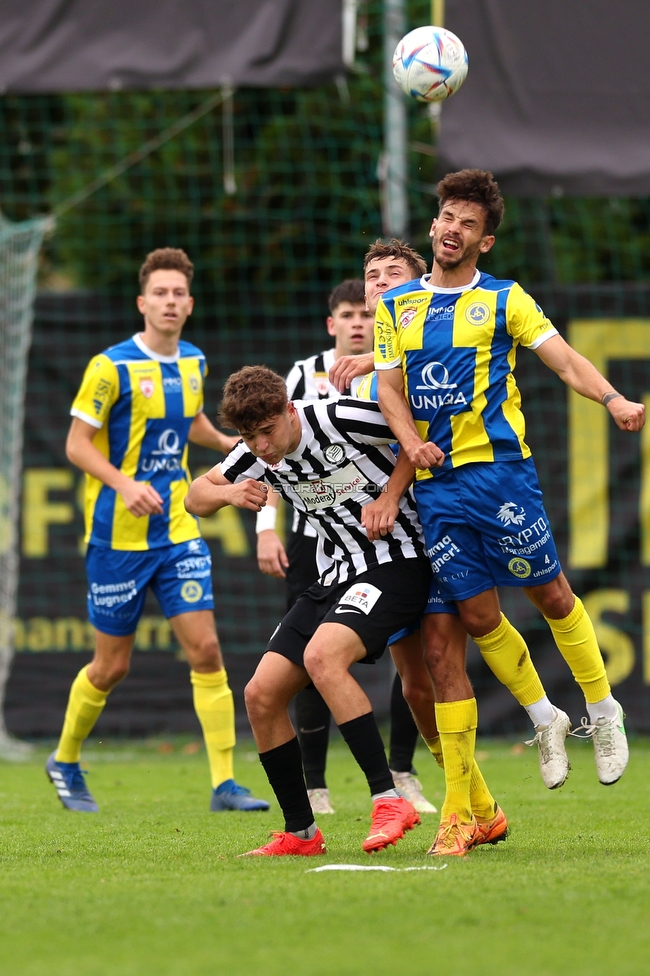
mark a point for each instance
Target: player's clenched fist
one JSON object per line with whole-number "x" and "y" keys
{"x": 425, "y": 455}
{"x": 141, "y": 499}
{"x": 249, "y": 494}
{"x": 627, "y": 415}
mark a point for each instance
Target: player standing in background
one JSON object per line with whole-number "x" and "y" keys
{"x": 139, "y": 404}
{"x": 445, "y": 351}
{"x": 350, "y": 323}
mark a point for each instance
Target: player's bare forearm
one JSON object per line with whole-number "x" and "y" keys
{"x": 212, "y": 491}
{"x": 139, "y": 497}
{"x": 346, "y": 368}
{"x": 396, "y": 410}
{"x": 204, "y": 433}
{"x": 583, "y": 377}
{"x": 271, "y": 556}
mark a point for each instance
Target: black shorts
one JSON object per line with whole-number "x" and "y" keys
{"x": 302, "y": 571}
{"x": 374, "y": 605}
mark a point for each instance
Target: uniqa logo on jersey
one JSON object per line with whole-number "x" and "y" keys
{"x": 167, "y": 456}
{"x": 435, "y": 376}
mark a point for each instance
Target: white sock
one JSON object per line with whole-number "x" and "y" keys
{"x": 307, "y": 834}
{"x": 386, "y": 795}
{"x": 541, "y": 712}
{"x": 605, "y": 708}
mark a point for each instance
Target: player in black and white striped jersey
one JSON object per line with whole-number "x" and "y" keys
{"x": 329, "y": 460}
{"x": 350, "y": 325}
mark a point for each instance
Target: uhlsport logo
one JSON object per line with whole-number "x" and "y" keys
{"x": 167, "y": 455}
{"x": 519, "y": 568}
{"x": 191, "y": 591}
{"x": 477, "y": 313}
{"x": 511, "y": 514}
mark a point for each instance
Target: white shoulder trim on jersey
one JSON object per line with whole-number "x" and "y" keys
{"x": 393, "y": 364}
{"x": 425, "y": 283}
{"x": 137, "y": 338}
{"x": 86, "y": 418}
{"x": 542, "y": 339}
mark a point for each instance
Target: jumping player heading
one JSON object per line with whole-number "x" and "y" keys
{"x": 445, "y": 353}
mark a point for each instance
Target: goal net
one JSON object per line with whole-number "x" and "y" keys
{"x": 19, "y": 248}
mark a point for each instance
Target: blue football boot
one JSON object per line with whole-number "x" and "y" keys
{"x": 70, "y": 784}
{"x": 231, "y": 796}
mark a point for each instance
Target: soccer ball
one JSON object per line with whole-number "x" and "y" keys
{"x": 430, "y": 64}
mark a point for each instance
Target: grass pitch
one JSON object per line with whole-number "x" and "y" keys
{"x": 151, "y": 886}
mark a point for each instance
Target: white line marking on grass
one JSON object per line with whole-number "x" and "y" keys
{"x": 373, "y": 867}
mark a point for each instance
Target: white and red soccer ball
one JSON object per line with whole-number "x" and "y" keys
{"x": 430, "y": 63}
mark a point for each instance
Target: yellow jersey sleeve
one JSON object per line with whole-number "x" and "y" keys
{"x": 98, "y": 392}
{"x": 525, "y": 321}
{"x": 387, "y": 352}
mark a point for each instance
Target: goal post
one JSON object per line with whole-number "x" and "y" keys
{"x": 19, "y": 248}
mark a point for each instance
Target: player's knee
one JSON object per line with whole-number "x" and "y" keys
{"x": 258, "y": 700}
{"x": 418, "y": 695}
{"x": 114, "y": 672}
{"x": 205, "y": 655}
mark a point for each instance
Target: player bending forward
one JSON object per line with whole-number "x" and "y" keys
{"x": 138, "y": 405}
{"x": 445, "y": 351}
{"x": 350, "y": 323}
{"x": 328, "y": 459}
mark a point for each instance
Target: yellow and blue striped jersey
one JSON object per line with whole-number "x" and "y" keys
{"x": 457, "y": 349}
{"x": 142, "y": 405}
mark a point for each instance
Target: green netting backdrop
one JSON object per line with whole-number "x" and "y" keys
{"x": 306, "y": 206}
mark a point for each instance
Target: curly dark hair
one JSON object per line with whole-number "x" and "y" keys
{"x": 166, "y": 259}
{"x": 251, "y": 396}
{"x": 475, "y": 186}
{"x": 396, "y": 248}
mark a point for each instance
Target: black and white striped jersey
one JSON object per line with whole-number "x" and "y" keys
{"x": 342, "y": 463}
{"x": 308, "y": 379}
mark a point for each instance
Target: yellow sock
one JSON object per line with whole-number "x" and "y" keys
{"x": 215, "y": 708}
{"x": 457, "y": 723}
{"x": 85, "y": 705}
{"x": 504, "y": 651}
{"x": 576, "y": 640}
{"x": 481, "y": 800}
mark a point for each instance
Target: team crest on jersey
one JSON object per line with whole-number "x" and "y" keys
{"x": 322, "y": 383}
{"x": 477, "y": 313}
{"x": 407, "y": 317}
{"x": 334, "y": 453}
{"x": 195, "y": 386}
{"x": 147, "y": 386}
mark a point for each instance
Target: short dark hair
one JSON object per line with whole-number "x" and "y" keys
{"x": 166, "y": 259}
{"x": 251, "y": 396}
{"x": 351, "y": 290}
{"x": 395, "y": 248}
{"x": 475, "y": 186}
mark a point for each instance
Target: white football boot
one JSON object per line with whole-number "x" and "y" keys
{"x": 553, "y": 760}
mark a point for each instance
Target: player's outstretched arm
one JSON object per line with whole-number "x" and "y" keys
{"x": 271, "y": 555}
{"x": 213, "y": 491}
{"x": 139, "y": 498}
{"x": 378, "y": 517}
{"x": 346, "y": 368}
{"x": 396, "y": 410}
{"x": 204, "y": 433}
{"x": 583, "y": 377}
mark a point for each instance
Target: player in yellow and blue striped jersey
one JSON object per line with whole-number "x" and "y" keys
{"x": 445, "y": 349}
{"x": 139, "y": 404}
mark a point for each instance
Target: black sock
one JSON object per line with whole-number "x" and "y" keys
{"x": 283, "y": 767}
{"x": 403, "y": 731}
{"x": 313, "y": 721}
{"x": 364, "y": 741}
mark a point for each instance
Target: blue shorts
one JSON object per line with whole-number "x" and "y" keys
{"x": 484, "y": 526}
{"x": 435, "y": 604}
{"x": 180, "y": 577}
